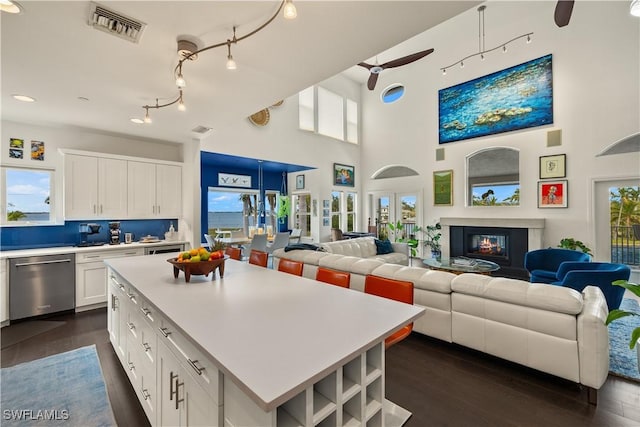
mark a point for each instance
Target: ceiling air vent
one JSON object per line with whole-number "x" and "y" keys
{"x": 115, "y": 23}
{"x": 201, "y": 130}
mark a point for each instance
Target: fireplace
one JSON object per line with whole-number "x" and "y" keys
{"x": 504, "y": 246}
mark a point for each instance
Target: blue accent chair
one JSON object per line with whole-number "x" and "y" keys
{"x": 578, "y": 275}
{"x": 543, "y": 264}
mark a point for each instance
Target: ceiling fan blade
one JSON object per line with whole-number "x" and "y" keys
{"x": 563, "y": 12}
{"x": 371, "y": 83}
{"x": 406, "y": 59}
{"x": 365, "y": 65}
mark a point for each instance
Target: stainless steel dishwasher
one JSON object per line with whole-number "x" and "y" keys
{"x": 41, "y": 285}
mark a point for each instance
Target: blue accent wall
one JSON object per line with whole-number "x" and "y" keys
{"x": 272, "y": 180}
{"x": 14, "y": 238}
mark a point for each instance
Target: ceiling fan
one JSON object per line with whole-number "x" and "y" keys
{"x": 377, "y": 69}
{"x": 563, "y": 12}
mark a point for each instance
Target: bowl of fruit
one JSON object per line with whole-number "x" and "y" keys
{"x": 198, "y": 262}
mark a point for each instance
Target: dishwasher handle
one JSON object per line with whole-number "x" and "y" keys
{"x": 57, "y": 261}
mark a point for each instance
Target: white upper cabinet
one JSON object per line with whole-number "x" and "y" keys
{"x": 94, "y": 187}
{"x": 154, "y": 190}
{"x": 116, "y": 187}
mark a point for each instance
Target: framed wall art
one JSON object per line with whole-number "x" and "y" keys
{"x": 343, "y": 175}
{"x": 519, "y": 97}
{"x": 553, "y": 194}
{"x": 37, "y": 150}
{"x": 299, "y": 182}
{"x": 232, "y": 180}
{"x": 443, "y": 188}
{"x": 553, "y": 166}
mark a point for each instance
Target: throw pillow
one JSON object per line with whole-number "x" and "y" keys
{"x": 383, "y": 247}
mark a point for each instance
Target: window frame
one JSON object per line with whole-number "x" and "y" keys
{"x": 53, "y": 206}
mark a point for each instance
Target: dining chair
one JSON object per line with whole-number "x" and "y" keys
{"x": 234, "y": 253}
{"x": 258, "y": 258}
{"x": 209, "y": 240}
{"x": 296, "y": 234}
{"x": 280, "y": 241}
{"x": 333, "y": 277}
{"x": 398, "y": 290}
{"x": 258, "y": 243}
{"x": 290, "y": 266}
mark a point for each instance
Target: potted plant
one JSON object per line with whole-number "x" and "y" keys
{"x": 618, "y": 313}
{"x": 571, "y": 243}
{"x": 432, "y": 239}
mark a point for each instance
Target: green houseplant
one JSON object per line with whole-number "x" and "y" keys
{"x": 618, "y": 313}
{"x": 571, "y": 243}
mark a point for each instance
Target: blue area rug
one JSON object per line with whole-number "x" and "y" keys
{"x": 65, "y": 389}
{"x": 623, "y": 362}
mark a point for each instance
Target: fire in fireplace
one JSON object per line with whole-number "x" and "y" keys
{"x": 488, "y": 244}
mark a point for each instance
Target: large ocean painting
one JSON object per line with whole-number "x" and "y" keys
{"x": 516, "y": 98}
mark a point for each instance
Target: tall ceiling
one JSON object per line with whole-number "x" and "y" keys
{"x": 87, "y": 78}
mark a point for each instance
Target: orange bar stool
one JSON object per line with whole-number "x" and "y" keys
{"x": 290, "y": 266}
{"x": 333, "y": 277}
{"x": 258, "y": 258}
{"x": 398, "y": 290}
{"x": 234, "y": 253}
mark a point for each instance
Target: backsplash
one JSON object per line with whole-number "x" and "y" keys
{"x": 15, "y": 238}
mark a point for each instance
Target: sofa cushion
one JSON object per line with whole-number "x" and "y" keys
{"x": 437, "y": 281}
{"x": 362, "y": 247}
{"x": 383, "y": 247}
{"x": 393, "y": 258}
{"x": 304, "y": 255}
{"x": 536, "y": 295}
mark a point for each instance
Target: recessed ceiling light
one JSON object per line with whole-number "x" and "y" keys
{"x": 137, "y": 120}
{"x": 24, "y": 98}
{"x": 10, "y": 6}
{"x": 82, "y": 98}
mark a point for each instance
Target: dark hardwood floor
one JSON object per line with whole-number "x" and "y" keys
{"x": 440, "y": 383}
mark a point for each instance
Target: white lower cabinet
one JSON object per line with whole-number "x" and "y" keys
{"x": 183, "y": 401}
{"x": 4, "y": 291}
{"x": 91, "y": 276}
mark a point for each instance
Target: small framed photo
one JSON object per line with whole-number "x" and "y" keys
{"x": 325, "y": 213}
{"x": 299, "y": 182}
{"x": 14, "y": 153}
{"x": 16, "y": 143}
{"x": 443, "y": 188}
{"x": 553, "y": 166}
{"x": 343, "y": 175}
{"x": 553, "y": 194}
{"x": 37, "y": 150}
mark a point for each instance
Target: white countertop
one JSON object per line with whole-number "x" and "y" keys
{"x": 272, "y": 333}
{"x": 76, "y": 249}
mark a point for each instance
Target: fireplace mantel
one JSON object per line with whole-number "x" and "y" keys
{"x": 534, "y": 225}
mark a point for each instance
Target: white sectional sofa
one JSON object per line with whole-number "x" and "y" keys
{"x": 549, "y": 328}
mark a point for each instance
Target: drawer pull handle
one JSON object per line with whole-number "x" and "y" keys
{"x": 132, "y": 297}
{"x": 145, "y": 394}
{"x": 93, "y": 256}
{"x": 171, "y": 378}
{"x": 57, "y": 261}
{"x": 131, "y": 326}
{"x": 115, "y": 281}
{"x": 178, "y": 385}
{"x": 195, "y": 367}
{"x": 147, "y": 313}
{"x": 130, "y": 253}
{"x": 165, "y": 332}
{"x": 131, "y": 367}
{"x": 114, "y": 301}
{"x": 146, "y": 347}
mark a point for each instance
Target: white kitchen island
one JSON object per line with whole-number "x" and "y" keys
{"x": 256, "y": 348}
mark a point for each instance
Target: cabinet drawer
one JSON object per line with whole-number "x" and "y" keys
{"x": 100, "y": 255}
{"x": 147, "y": 345}
{"x": 201, "y": 367}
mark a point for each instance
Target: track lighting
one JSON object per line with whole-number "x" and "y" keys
{"x": 482, "y": 50}
{"x": 189, "y": 51}
{"x": 181, "y": 106}
{"x": 180, "y": 81}
{"x": 290, "y": 11}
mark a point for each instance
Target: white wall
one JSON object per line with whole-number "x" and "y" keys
{"x": 282, "y": 141}
{"x": 596, "y": 75}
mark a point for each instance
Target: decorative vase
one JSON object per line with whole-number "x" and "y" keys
{"x": 436, "y": 253}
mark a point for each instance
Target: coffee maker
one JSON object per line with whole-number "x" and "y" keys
{"x": 114, "y": 233}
